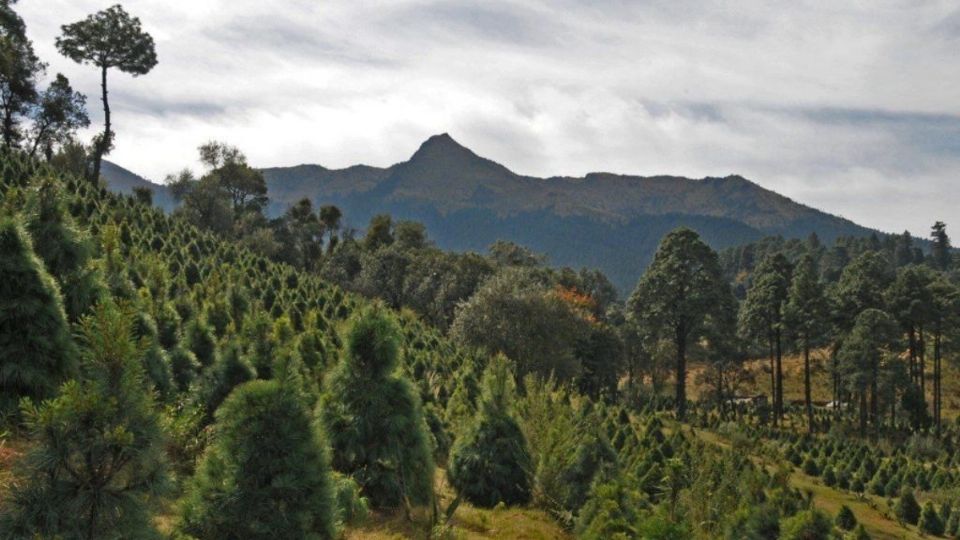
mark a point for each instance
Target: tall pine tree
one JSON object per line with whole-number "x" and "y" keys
{"x": 806, "y": 314}
{"x": 677, "y": 294}
{"x": 374, "y": 417}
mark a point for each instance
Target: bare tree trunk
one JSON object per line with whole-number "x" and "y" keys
{"x": 807, "y": 394}
{"x": 922, "y": 368}
{"x": 105, "y": 142}
{"x": 779, "y": 406}
{"x": 773, "y": 381}
{"x": 874, "y": 395}
{"x": 681, "y": 394}
{"x": 936, "y": 380}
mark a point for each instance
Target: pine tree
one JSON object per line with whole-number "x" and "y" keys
{"x": 230, "y": 370}
{"x": 845, "y": 518}
{"x": 374, "y": 418}
{"x": 265, "y": 474}
{"x": 98, "y": 455}
{"x": 64, "y": 249}
{"x": 762, "y": 316}
{"x": 36, "y": 352}
{"x": 491, "y": 463}
{"x": 805, "y": 316}
{"x": 907, "y": 509}
{"x": 930, "y": 522}
{"x": 940, "y": 252}
{"x": 806, "y": 525}
{"x": 676, "y": 295}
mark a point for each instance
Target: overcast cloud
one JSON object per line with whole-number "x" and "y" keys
{"x": 852, "y": 107}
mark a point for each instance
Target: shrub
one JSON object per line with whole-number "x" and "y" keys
{"x": 845, "y": 518}
{"x": 930, "y": 522}
{"x": 491, "y": 463}
{"x": 35, "y": 345}
{"x": 806, "y": 525}
{"x": 860, "y": 533}
{"x": 265, "y": 475}
{"x": 352, "y": 508}
{"x": 611, "y": 511}
{"x": 374, "y": 418}
{"x": 907, "y": 509}
{"x": 97, "y": 459}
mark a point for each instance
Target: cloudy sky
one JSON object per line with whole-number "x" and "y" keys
{"x": 852, "y": 106}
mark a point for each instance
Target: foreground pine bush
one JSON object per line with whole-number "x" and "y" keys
{"x": 491, "y": 462}
{"x": 98, "y": 455}
{"x": 266, "y": 473}
{"x": 35, "y": 347}
{"x": 374, "y": 418}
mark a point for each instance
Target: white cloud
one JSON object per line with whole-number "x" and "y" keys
{"x": 850, "y": 107}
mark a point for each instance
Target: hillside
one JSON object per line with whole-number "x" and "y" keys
{"x": 120, "y": 180}
{"x": 603, "y": 220}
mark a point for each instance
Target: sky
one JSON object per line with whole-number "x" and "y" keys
{"x": 852, "y": 107}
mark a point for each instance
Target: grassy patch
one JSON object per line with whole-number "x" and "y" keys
{"x": 869, "y": 510}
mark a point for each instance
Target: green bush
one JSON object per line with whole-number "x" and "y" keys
{"x": 352, "y": 508}
{"x": 611, "y": 511}
{"x": 930, "y": 522}
{"x": 374, "y": 418}
{"x": 907, "y": 509}
{"x": 491, "y": 463}
{"x": 806, "y": 525}
{"x": 35, "y": 345}
{"x": 265, "y": 474}
{"x": 845, "y": 518}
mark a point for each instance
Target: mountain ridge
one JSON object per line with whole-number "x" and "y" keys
{"x": 606, "y": 220}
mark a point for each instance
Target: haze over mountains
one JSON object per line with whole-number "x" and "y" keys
{"x": 608, "y": 221}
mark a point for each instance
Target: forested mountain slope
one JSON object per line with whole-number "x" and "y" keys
{"x": 606, "y": 221}
{"x": 202, "y": 364}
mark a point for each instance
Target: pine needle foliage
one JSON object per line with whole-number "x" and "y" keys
{"x": 36, "y": 351}
{"x": 266, "y": 474}
{"x": 491, "y": 462}
{"x": 374, "y": 417}
{"x": 97, "y": 462}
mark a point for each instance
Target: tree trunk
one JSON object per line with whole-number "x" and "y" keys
{"x": 779, "y": 406}
{"x": 912, "y": 353}
{"x": 8, "y": 126}
{"x": 936, "y": 380}
{"x": 105, "y": 141}
{"x": 723, "y": 408}
{"x": 874, "y": 394}
{"x": 773, "y": 380}
{"x": 863, "y": 412}
{"x": 36, "y": 142}
{"x": 681, "y": 397}
{"x": 922, "y": 368}
{"x": 806, "y": 387}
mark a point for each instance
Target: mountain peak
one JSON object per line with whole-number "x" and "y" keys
{"x": 439, "y": 145}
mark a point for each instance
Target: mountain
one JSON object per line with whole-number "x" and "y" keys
{"x": 609, "y": 221}
{"x": 120, "y": 180}
{"x": 602, "y": 220}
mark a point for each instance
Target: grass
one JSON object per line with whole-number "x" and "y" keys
{"x": 868, "y": 509}
{"x": 468, "y": 522}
